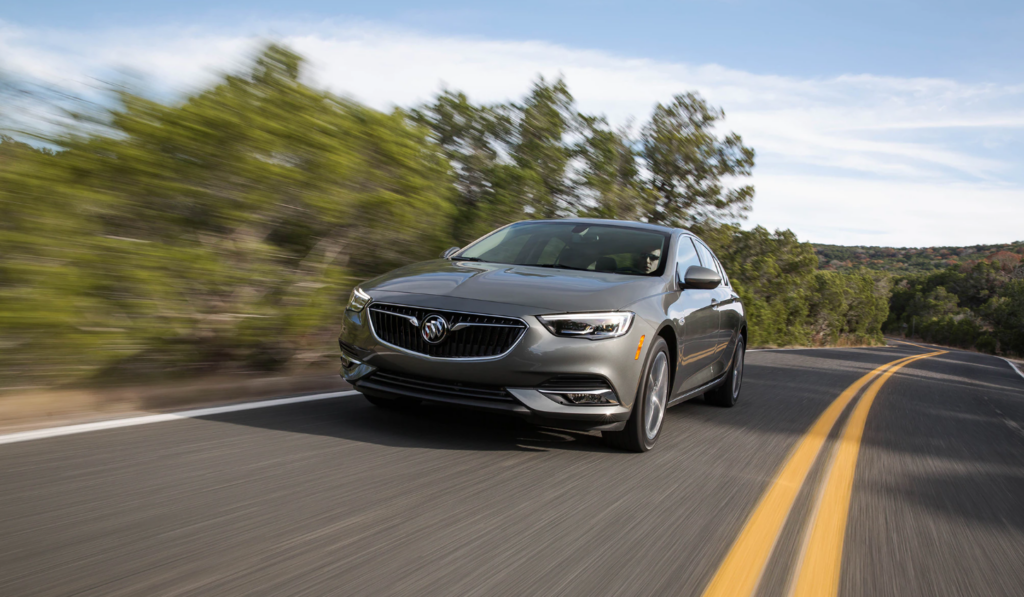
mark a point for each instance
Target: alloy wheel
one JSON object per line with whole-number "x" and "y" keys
{"x": 737, "y": 372}
{"x": 657, "y": 396}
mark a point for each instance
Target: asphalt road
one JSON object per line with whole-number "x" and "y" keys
{"x": 337, "y": 497}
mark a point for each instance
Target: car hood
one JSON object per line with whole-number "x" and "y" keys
{"x": 545, "y": 288}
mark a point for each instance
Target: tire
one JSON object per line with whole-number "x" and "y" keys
{"x": 392, "y": 403}
{"x": 728, "y": 392}
{"x": 647, "y": 419}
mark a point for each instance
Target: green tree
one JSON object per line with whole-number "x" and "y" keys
{"x": 543, "y": 121}
{"x": 688, "y": 163}
{"x": 610, "y": 173}
{"x": 1006, "y": 313}
{"x": 867, "y": 306}
{"x": 773, "y": 274}
{"x": 472, "y": 138}
{"x": 827, "y": 308}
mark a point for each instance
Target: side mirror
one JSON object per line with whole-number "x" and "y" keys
{"x": 701, "y": 278}
{"x": 449, "y": 252}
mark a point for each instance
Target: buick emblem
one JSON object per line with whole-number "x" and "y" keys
{"x": 433, "y": 329}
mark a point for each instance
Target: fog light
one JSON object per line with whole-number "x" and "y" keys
{"x": 592, "y": 397}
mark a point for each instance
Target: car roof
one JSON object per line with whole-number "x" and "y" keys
{"x": 631, "y": 224}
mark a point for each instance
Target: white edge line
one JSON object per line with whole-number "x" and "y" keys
{"x": 1013, "y": 366}
{"x": 24, "y": 436}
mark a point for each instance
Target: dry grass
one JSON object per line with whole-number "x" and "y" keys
{"x": 43, "y": 408}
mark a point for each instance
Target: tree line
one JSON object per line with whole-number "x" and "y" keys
{"x": 976, "y": 305}
{"x": 223, "y": 232}
{"x": 905, "y": 260}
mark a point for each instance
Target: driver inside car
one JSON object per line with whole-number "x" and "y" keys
{"x": 649, "y": 260}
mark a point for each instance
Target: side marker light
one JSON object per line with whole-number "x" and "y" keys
{"x": 638, "y": 347}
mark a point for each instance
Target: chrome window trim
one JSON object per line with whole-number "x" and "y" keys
{"x": 526, "y": 329}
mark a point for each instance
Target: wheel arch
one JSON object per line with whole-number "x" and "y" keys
{"x": 669, "y": 335}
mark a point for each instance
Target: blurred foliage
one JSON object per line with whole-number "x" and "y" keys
{"x": 224, "y": 231}
{"x": 687, "y": 163}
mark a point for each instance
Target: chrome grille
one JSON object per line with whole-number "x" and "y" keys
{"x": 470, "y": 335}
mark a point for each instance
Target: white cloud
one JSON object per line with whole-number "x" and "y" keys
{"x": 894, "y": 213}
{"x": 849, "y": 159}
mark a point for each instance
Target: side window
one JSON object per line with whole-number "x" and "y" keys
{"x": 721, "y": 270}
{"x": 686, "y": 255}
{"x": 706, "y": 259}
{"x": 711, "y": 262}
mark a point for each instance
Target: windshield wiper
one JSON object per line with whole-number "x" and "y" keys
{"x": 470, "y": 259}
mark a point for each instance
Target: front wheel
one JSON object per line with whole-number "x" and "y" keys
{"x": 728, "y": 392}
{"x": 645, "y": 422}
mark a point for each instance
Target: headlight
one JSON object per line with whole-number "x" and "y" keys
{"x": 592, "y": 326}
{"x": 357, "y": 300}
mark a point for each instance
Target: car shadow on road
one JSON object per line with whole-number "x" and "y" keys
{"x": 352, "y": 418}
{"x": 439, "y": 427}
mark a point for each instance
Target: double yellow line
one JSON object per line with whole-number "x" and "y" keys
{"x": 817, "y": 571}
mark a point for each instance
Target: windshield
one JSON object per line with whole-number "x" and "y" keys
{"x": 570, "y": 245}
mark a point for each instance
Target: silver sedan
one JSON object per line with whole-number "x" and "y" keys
{"x": 578, "y": 324}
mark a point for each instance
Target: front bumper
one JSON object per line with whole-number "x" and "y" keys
{"x": 537, "y": 358}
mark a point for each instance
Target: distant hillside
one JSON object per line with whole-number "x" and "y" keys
{"x": 835, "y": 257}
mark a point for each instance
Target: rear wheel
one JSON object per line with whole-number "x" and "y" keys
{"x": 728, "y": 392}
{"x": 645, "y": 422}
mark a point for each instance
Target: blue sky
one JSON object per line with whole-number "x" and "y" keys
{"x": 898, "y": 123}
{"x": 970, "y": 41}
